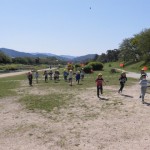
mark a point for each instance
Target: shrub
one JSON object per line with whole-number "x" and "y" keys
{"x": 87, "y": 69}
{"x": 96, "y": 66}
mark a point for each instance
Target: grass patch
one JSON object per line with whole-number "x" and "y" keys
{"x": 7, "y": 87}
{"x": 46, "y": 102}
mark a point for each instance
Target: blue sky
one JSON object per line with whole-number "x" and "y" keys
{"x": 70, "y": 27}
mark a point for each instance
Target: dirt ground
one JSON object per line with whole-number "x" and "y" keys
{"x": 116, "y": 122}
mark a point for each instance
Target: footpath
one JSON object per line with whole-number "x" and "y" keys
{"x": 18, "y": 73}
{"x": 133, "y": 74}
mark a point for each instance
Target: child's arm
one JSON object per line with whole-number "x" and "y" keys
{"x": 104, "y": 82}
{"x": 96, "y": 80}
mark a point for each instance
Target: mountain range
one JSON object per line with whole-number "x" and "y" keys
{"x": 13, "y": 53}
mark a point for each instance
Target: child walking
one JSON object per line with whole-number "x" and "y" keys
{"x": 30, "y": 77}
{"x": 78, "y": 77}
{"x": 99, "y": 83}
{"x": 122, "y": 80}
{"x": 70, "y": 77}
{"x": 82, "y": 74}
{"x": 50, "y": 74}
{"x": 36, "y": 76}
{"x": 143, "y": 73}
{"x": 65, "y": 74}
{"x": 45, "y": 75}
{"x": 144, "y": 84}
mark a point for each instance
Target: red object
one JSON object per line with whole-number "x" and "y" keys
{"x": 144, "y": 68}
{"x": 121, "y": 65}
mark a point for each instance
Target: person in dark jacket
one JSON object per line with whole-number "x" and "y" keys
{"x": 30, "y": 77}
{"x": 122, "y": 80}
{"x": 78, "y": 77}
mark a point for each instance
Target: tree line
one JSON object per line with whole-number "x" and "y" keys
{"x": 4, "y": 59}
{"x": 134, "y": 49}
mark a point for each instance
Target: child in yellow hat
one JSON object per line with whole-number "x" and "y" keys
{"x": 99, "y": 83}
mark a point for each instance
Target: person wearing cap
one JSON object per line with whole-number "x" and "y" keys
{"x": 99, "y": 83}
{"x": 82, "y": 73}
{"x": 36, "y": 76}
{"x": 122, "y": 80}
{"x": 78, "y": 76}
{"x": 65, "y": 74}
{"x": 144, "y": 84}
{"x": 70, "y": 76}
{"x": 143, "y": 72}
{"x": 30, "y": 77}
{"x": 45, "y": 75}
{"x": 50, "y": 74}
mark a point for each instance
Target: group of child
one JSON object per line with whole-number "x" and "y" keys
{"x": 68, "y": 76}
{"x": 143, "y": 83}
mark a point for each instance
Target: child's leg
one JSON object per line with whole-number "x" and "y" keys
{"x": 71, "y": 82}
{"x": 97, "y": 91}
{"x": 101, "y": 88}
{"x": 30, "y": 82}
{"x": 143, "y": 91}
{"x": 121, "y": 86}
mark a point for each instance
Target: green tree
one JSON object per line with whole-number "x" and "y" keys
{"x": 4, "y": 58}
{"x": 128, "y": 51}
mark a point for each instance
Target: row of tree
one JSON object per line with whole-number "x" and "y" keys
{"x": 132, "y": 49}
{"x": 4, "y": 59}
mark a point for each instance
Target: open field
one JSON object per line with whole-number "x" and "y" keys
{"x": 56, "y": 116}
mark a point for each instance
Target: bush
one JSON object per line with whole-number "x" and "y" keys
{"x": 87, "y": 69}
{"x": 96, "y": 66}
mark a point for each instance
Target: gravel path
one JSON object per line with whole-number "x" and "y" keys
{"x": 136, "y": 75}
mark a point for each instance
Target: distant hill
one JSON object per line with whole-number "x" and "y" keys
{"x": 84, "y": 58}
{"x": 14, "y": 53}
{"x": 67, "y": 56}
{"x": 43, "y": 54}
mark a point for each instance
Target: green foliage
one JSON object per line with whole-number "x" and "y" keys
{"x": 96, "y": 65}
{"x": 87, "y": 69}
{"x": 77, "y": 65}
{"x": 111, "y": 55}
{"x": 4, "y": 58}
{"x": 136, "y": 48}
{"x": 7, "y": 87}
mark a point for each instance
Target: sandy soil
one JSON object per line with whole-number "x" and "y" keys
{"x": 117, "y": 122}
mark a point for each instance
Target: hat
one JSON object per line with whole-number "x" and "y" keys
{"x": 123, "y": 72}
{"x": 99, "y": 74}
{"x": 143, "y": 75}
{"x": 70, "y": 70}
